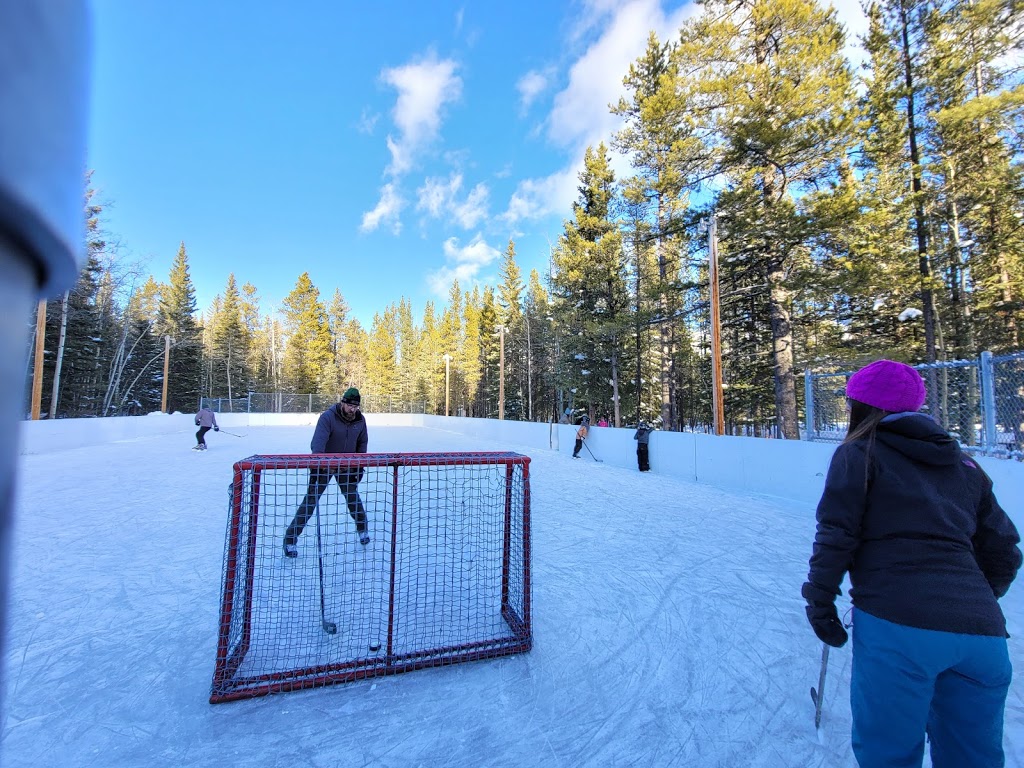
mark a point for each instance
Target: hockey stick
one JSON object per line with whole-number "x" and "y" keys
{"x": 224, "y": 431}
{"x": 599, "y": 461}
{"x": 329, "y": 626}
{"x": 818, "y": 695}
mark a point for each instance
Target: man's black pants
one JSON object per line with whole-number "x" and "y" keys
{"x": 348, "y": 482}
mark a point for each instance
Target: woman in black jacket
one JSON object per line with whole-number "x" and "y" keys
{"x": 929, "y": 551}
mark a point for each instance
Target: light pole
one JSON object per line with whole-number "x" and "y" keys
{"x": 557, "y": 366}
{"x": 37, "y": 368}
{"x": 717, "y": 404}
{"x": 167, "y": 363}
{"x": 447, "y": 387}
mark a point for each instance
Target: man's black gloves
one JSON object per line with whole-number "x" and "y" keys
{"x": 216, "y": 429}
{"x": 823, "y": 616}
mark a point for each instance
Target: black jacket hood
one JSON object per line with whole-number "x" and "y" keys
{"x": 918, "y": 437}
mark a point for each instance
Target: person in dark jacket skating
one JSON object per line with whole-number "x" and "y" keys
{"x": 929, "y": 552}
{"x": 643, "y": 438}
{"x": 340, "y": 429}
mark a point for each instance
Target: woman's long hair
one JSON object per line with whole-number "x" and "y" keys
{"x": 864, "y": 421}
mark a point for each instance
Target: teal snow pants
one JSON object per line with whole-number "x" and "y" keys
{"x": 907, "y": 681}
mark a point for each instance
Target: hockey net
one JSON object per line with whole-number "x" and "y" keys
{"x": 444, "y": 578}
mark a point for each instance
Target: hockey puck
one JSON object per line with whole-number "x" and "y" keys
{"x": 330, "y": 628}
{"x": 375, "y": 646}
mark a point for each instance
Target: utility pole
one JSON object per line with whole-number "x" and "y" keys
{"x": 717, "y": 404}
{"x": 37, "y": 370}
{"x": 167, "y": 360}
{"x": 447, "y": 379}
{"x": 501, "y": 373}
{"x": 556, "y": 366}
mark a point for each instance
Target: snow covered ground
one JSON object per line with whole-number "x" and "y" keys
{"x": 668, "y": 627}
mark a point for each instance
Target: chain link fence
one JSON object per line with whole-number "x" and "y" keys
{"x": 980, "y": 402}
{"x": 286, "y": 402}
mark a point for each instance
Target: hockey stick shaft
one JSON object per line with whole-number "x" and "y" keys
{"x": 592, "y": 453}
{"x": 224, "y": 431}
{"x": 328, "y": 626}
{"x": 819, "y": 694}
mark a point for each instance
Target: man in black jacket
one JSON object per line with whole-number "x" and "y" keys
{"x": 340, "y": 429}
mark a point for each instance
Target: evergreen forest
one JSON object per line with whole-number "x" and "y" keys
{"x": 856, "y": 215}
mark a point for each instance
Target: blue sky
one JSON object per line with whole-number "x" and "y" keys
{"x": 384, "y": 148}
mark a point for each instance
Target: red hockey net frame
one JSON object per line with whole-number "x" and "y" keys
{"x": 475, "y": 508}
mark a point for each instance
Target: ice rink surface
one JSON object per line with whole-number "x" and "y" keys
{"x": 668, "y": 628}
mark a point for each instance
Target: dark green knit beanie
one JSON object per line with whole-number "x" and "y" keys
{"x": 351, "y": 396}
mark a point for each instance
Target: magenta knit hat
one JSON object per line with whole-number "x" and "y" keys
{"x": 887, "y": 385}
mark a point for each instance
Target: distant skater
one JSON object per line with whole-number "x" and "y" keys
{"x": 642, "y": 437}
{"x": 205, "y": 419}
{"x": 340, "y": 429}
{"x": 581, "y": 435}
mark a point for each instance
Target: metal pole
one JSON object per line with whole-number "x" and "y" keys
{"x": 167, "y": 361}
{"x": 810, "y": 430}
{"x": 988, "y": 401}
{"x": 717, "y": 404}
{"x": 37, "y": 369}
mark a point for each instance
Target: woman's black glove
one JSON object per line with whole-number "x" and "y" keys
{"x": 823, "y": 616}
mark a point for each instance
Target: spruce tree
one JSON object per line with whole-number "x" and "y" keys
{"x": 381, "y": 373}
{"x": 176, "y": 318}
{"x": 510, "y": 292}
{"x": 485, "y": 396}
{"x": 663, "y": 141}
{"x": 408, "y": 346}
{"x": 780, "y": 108}
{"x": 452, "y": 340}
{"x": 231, "y": 341}
{"x": 307, "y": 350}
{"x": 592, "y": 299}
{"x": 469, "y": 357}
{"x": 428, "y": 363}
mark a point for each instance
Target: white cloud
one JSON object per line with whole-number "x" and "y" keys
{"x": 464, "y": 263}
{"x": 534, "y": 198}
{"x": 367, "y": 121}
{"x": 478, "y": 252}
{"x": 439, "y": 196}
{"x": 580, "y": 116}
{"x": 580, "y": 113}
{"x": 424, "y": 87}
{"x": 473, "y": 209}
{"x": 386, "y": 211}
{"x": 436, "y": 192}
{"x": 530, "y": 86}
